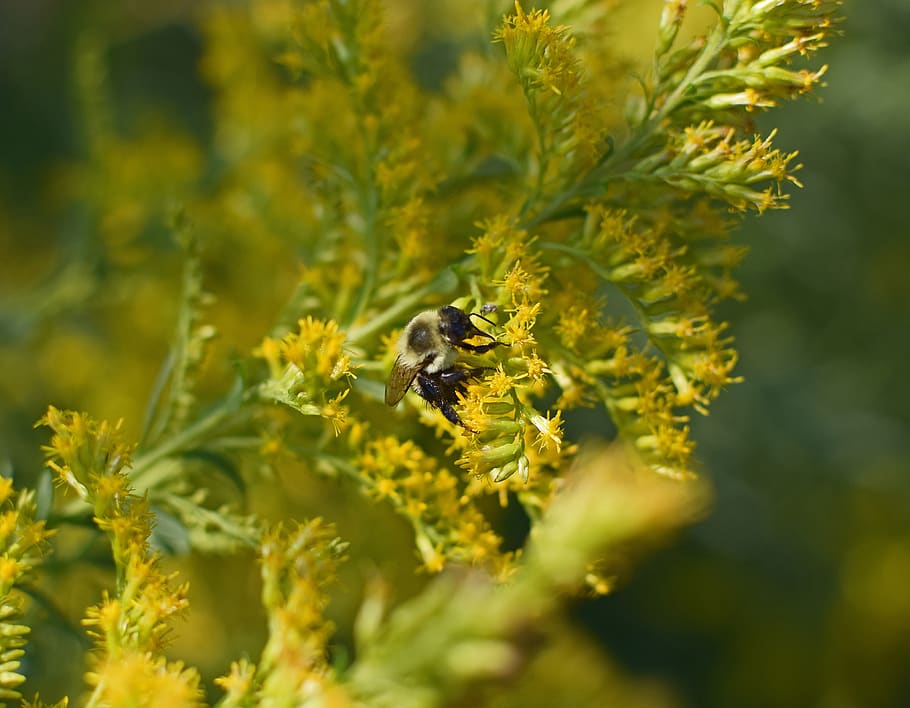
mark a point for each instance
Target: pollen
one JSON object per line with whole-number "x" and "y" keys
{"x": 500, "y": 383}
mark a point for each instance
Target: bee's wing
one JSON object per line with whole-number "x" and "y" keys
{"x": 400, "y": 380}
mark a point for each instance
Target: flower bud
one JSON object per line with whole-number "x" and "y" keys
{"x": 670, "y": 21}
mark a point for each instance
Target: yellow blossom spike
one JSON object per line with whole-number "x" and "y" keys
{"x": 23, "y": 544}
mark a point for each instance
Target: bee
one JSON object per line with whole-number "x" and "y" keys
{"x": 427, "y": 352}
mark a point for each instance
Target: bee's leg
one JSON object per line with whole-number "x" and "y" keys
{"x": 479, "y": 348}
{"x": 439, "y": 393}
{"x": 455, "y": 377}
{"x": 451, "y": 414}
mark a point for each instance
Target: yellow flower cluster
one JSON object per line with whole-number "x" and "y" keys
{"x": 22, "y": 541}
{"x": 499, "y": 407}
{"x": 309, "y": 371}
{"x": 705, "y": 158}
{"x": 636, "y": 390}
{"x": 447, "y": 524}
{"x": 743, "y": 66}
{"x": 135, "y": 678}
{"x": 328, "y": 149}
{"x": 604, "y": 361}
{"x": 570, "y": 131}
{"x": 672, "y": 302}
{"x": 352, "y": 129}
{"x": 83, "y": 452}
{"x": 131, "y": 626}
{"x": 539, "y": 54}
{"x": 298, "y": 565}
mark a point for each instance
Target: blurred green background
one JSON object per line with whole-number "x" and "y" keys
{"x": 795, "y": 592}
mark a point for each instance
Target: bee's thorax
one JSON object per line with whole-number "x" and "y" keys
{"x": 442, "y": 361}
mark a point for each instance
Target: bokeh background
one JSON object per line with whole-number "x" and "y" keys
{"x": 794, "y": 592}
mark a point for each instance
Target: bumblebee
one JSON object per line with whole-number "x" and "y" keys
{"x": 427, "y": 353}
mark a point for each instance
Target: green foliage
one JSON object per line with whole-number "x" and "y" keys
{"x": 589, "y": 221}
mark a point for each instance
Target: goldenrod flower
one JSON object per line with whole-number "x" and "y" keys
{"x": 298, "y": 564}
{"x": 22, "y": 547}
{"x": 131, "y": 626}
{"x": 447, "y": 524}
{"x": 135, "y": 678}
{"x": 309, "y": 371}
{"x": 598, "y": 255}
{"x": 570, "y": 138}
{"x": 239, "y": 685}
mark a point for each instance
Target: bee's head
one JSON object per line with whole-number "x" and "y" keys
{"x": 456, "y": 326}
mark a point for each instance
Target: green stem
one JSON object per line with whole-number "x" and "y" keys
{"x": 226, "y": 413}
{"x": 708, "y": 54}
{"x": 370, "y": 238}
{"x": 618, "y": 162}
{"x": 163, "y": 403}
{"x": 444, "y": 282}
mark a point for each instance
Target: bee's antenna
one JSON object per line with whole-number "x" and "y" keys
{"x": 492, "y": 324}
